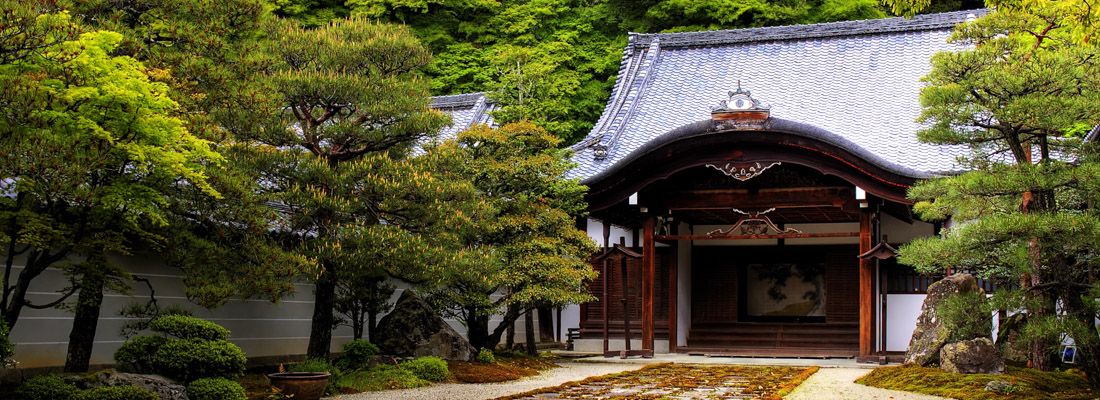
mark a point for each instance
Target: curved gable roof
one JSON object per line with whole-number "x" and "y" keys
{"x": 466, "y": 110}
{"x": 859, "y": 80}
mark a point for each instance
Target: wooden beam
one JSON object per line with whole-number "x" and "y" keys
{"x": 723, "y": 199}
{"x": 765, "y": 236}
{"x": 648, "y": 271}
{"x": 866, "y": 283}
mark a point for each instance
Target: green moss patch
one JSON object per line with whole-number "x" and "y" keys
{"x": 1023, "y": 383}
{"x": 676, "y": 380}
{"x": 382, "y": 377}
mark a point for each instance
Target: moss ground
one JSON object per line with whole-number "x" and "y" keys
{"x": 678, "y": 380}
{"x": 1025, "y": 383}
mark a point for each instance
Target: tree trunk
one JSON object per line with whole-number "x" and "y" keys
{"x": 510, "y": 341}
{"x": 372, "y": 323}
{"x": 324, "y": 302}
{"x": 85, "y": 322}
{"x": 357, "y": 324}
{"x": 477, "y": 330}
{"x": 529, "y": 332}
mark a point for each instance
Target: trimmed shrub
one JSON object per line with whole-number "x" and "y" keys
{"x": 486, "y": 356}
{"x": 357, "y": 354}
{"x": 186, "y": 360}
{"x": 7, "y": 350}
{"x": 428, "y": 368}
{"x": 117, "y": 393}
{"x": 136, "y": 355}
{"x": 215, "y": 389}
{"x": 313, "y": 365}
{"x": 46, "y": 387}
{"x": 188, "y": 327}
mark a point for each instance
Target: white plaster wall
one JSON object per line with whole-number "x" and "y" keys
{"x": 570, "y": 318}
{"x": 902, "y": 311}
{"x": 683, "y": 288}
{"x": 261, "y": 328}
{"x": 595, "y": 231}
{"x": 898, "y": 231}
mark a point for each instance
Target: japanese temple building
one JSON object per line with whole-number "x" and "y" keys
{"x": 751, "y": 185}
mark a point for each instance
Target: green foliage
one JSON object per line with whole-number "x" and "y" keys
{"x": 486, "y": 356}
{"x": 215, "y": 389}
{"x": 554, "y": 61}
{"x": 138, "y": 354}
{"x": 528, "y": 248}
{"x": 117, "y": 393}
{"x": 1025, "y": 383}
{"x": 355, "y": 105}
{"x": 188, "y": 327}
{"x": 314, "y": 365}
{"x": 7, "y": 349}
{"x": 210, "y": 57}
{"x": 357, "y": 354}
{"x": 1020, "y": 97}
{"x": 186, "y": 360}
{"x": 382, "y": 377}
{"x": 966, "y": 316}
{"x": 46, "y": 387}
{"x": 432, "y": 369}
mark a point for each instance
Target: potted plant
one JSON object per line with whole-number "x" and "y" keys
{"x": 304, "y": 381}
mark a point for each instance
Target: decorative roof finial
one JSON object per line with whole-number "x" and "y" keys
{"x": 739, "y": 112}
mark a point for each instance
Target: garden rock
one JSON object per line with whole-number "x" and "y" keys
{"x": 414, "y": 329}
{"x": 999, "y": 387}
{"x": 974, "y": 356}
{"x": 166, "y": 388}
{"x": 930, "y": 334}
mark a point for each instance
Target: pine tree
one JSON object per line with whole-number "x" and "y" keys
{"x": 1020, "y": 98}
{"x": 352, "y": 199}
{"x": 528, "y": 251}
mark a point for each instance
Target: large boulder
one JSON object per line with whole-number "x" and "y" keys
{"x": 166, "y": 388}
{"x": 413, "y": 329}
{"x": 931, "y": 334}
{"x": 974, "y": 356}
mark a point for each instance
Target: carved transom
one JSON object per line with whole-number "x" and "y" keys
{"x": 752, "y": 223}
{"x": 743, "y": 172}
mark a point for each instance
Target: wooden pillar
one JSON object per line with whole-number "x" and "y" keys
{"x": 673, "y": 276}
{"x": 866, "y": 286}
{"x": 648, "y": 271}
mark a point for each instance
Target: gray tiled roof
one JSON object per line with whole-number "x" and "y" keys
{"x": 466, "y": 110}
{"x": 858, "y": 80}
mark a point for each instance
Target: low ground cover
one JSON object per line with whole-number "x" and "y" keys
{"x": 682, "y": 381}
{"x": 505, "y": 367}
{"x": 1022, "y": 383}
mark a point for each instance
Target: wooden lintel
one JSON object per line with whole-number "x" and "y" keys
{"x": 712, "y": 199}
{"x": 666, "y": 238}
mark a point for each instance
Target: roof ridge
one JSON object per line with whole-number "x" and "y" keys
{"x": 921, "y": 22}
{"x": 457, "y": 100}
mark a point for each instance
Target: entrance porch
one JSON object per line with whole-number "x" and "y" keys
{"x": 703, "y": 264}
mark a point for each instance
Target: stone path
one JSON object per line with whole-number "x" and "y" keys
{"x": 569, "y": 371}
{"x": 839, "y": 384}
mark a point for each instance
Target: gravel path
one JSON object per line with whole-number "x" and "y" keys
{"x": 839, "y": 383}
{"x": 468, "y": 391}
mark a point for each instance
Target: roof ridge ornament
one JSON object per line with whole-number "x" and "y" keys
{"x": 740, "y": 112}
